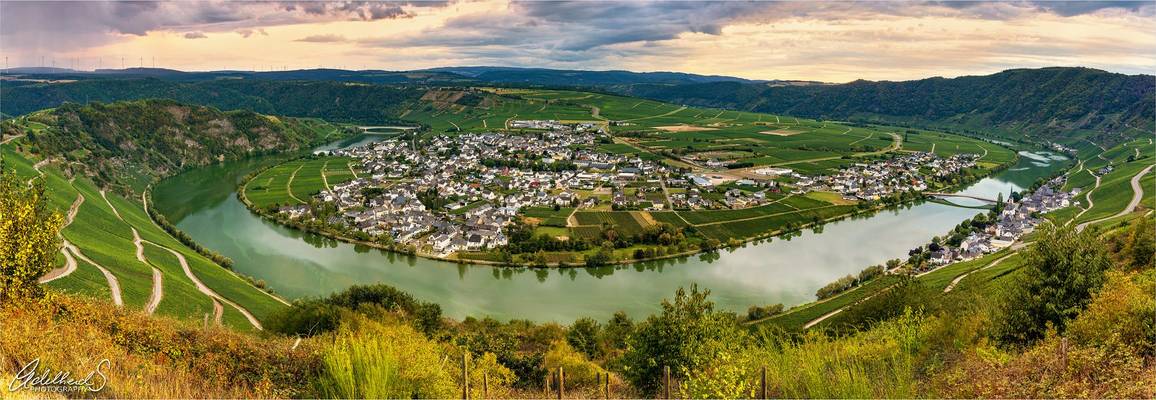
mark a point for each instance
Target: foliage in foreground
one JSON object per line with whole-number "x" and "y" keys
{"x": 28, "y": 240}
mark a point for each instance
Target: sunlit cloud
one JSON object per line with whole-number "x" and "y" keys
{"x": 827, "y": 41}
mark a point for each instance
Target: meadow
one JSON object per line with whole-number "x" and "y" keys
{"x": 294, "y": 182}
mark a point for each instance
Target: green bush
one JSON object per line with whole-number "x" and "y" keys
{"x": 369, "y": 359}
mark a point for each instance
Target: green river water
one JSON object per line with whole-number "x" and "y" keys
{"x": 203, "y": 203}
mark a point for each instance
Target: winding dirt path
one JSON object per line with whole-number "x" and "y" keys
{"x": 823, "y": 317}
{"x": 158, "y": 290}
{"x": 11, "y": 138}
{"x": 993, "y": 263}
{"x": 113, "y": 283}
{"x": 145, "y": 202}
{"x": 1137, "y": 195}
{"x": 324, "y": 178}
{"x": 209, "y": 292}
{"x": 69, "y": 263}
{"x": 68, "y": 268}
{"x": 158, "y": 278}
{"x": 1088, "y": 197}
{"x": 289, "y": 184}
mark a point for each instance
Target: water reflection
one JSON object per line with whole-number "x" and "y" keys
{"x": 786, "y": 269}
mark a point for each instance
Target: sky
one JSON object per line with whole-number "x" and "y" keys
{"x": 820, "y": 41}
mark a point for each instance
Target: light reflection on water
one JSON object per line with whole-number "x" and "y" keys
{"x": 782, "y": 271}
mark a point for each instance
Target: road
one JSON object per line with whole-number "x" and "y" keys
{"x": 1088, "y": 197}
{"x": 1137, "y": 195}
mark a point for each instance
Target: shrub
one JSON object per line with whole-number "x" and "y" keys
{"x": 579, "y": 371}
{"x": 688, "y": 334}
{"x": 369, "y": 359}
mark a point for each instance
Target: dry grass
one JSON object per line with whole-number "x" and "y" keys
{"x": 151, "y": 357}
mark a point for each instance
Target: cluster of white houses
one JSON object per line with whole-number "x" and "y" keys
{"x": 883, "y": 178}
{"x": 1015, "y": 220}
{"x": 478, "y": 181}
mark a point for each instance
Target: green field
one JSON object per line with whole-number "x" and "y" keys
{"x": 294, "y": 182}
{"x": 810, "y": 146}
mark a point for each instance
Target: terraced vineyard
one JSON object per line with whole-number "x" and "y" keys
{"x": 112, "y": 249}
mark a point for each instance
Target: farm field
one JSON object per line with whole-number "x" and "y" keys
{"x": 696, "y": 135}
{"x": 103, "y": 234}
{"x": 294, "y": 182}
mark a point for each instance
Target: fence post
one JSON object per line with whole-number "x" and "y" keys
{"x": 465, "y": 376}
{"x": 1064, "y": 352}
{"x": 485, "y": 386}
{"x": 763, "y": 390}
{"x": 606, "y": 392}
{"x": 561, "y": 382}
{"x": 666, "y": 382}
{"x": 546, "y": 386}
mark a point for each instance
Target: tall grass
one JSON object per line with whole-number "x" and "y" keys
{"x": 368, "y": 359}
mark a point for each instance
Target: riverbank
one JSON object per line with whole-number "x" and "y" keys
{"x": 698, "y": 248}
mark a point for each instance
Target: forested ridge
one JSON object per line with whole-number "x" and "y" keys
{"x": 131, "y": 143}
{"x": 1042, "y": 102}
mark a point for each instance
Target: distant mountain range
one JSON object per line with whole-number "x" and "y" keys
{"x": 1039, "y": 102}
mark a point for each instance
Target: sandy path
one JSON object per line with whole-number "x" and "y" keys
{"x": 113, "y": 283}
{"x": 68, "y": 268}
{"x": 1088, "y": 197}
{"x": 144, "y": 200}
{"x": 823, "y": 317}
{"x": 69, "y": 262}
{"x": 11, "y": 138}
{"x": 114, "y": 211}
{"x": 1137, "y": 195}
{"x": 325, "y": 179}
{"x": 158, "y": 278}
{"x": 209, "y": 292}
{"x": 289, "y": 185}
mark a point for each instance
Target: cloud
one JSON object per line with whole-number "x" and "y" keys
{"x": 195, "y": 35}
{"x": 245, "y": 33}
{"x": 56, "y": 26}
{"x": 329, "y": 38}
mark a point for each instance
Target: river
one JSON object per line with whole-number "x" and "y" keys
{"x": 203, "y": 203}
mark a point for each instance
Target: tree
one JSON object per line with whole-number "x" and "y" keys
{"x": 688, "y": 334}
{"x": 583, "y": 336}
{"x": 1060, "y": 274}
{"x": 28, "y": 237}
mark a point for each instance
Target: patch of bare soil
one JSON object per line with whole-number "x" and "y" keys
{"x": 685, "y": 128}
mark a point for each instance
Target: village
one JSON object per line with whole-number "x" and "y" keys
{"x": 1014, "y": 220}
{"x": 458, "y": 193}
{"x": 886, "y": 177}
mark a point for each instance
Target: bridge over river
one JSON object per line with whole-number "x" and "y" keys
{"x": 966, "y": 196}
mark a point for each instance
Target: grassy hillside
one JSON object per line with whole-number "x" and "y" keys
{"x": 102, "y": 232}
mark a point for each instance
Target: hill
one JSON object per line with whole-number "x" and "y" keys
{"x": 1047, "y": 103}
{"x": 132, "y": 143}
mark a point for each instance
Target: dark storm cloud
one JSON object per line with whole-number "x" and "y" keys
{"x": 1062, "y": 8}
{"x": 70, "y": 25}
